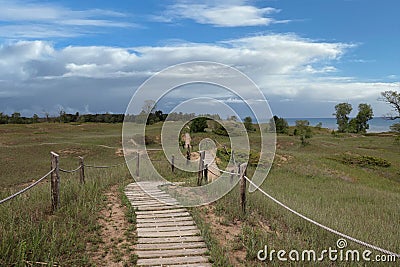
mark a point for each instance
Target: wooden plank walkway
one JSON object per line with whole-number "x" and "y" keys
{"x": 167, "y": 234}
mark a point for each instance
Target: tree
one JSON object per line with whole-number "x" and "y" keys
{"x": 281, "y": 125}
{"x": 248, "y": 124}
{"x": 149, "y": 106}
{"x": 15, "y": 117}
{"x": 198, "y": 125}
{"x": 393, "y": 99}
{"x": 3, "y": 118}
{"x": 35, "y": 118}
{"x": 365, "y": 113}
{"x": 303, "y": 130}
{"x": 342, "y": 116}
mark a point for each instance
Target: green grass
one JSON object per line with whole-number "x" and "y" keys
{"x": 29, "y": 231}
{"x": 361, "y": 200}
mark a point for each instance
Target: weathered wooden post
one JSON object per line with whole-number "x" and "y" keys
{"x": 173, "y": 164}
{"x": 187, "y": 157}
{"x": 55, "y": 182}
{"x": 82, "y": 170}
{"x": 137, "y": 163}
{"x": 206, "y": 173}
{"x": 242, "y": 171}
{"x": 200, "y": 173}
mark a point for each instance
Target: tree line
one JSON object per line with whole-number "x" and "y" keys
{"x": 63, "y": 117}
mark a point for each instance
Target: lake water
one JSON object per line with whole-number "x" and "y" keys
{"x": 376, "y": 125}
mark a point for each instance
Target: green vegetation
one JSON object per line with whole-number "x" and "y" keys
{"x": 303, "y": 130}
{"x": 359, "y": 124}
{"x": 248, "y": 124}
{"x": 342, "y": 116}
{"x": 281, "y": 125}
{"x": 348, "y": 182}
{"x": 393, "y": 99}
{"x": 198, "y": 125}
{"x": 29, "y": 231}
{"x": 364, "y": 161}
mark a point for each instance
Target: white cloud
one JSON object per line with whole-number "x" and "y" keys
{"x": 25, "y": 19}
{"x": 220, "y": 13}
{"x": 284, "y": 67}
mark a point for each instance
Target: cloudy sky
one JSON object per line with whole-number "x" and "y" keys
{"x": 91, "y": 56}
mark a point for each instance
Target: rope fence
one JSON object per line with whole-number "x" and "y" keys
{"x": 202, "y": 174}
{"x": 243, "y": 179}
{"x": 321, "y": 225}
{"x": 71, "y": 171}
{"x": 26, "y": 188}
{"x": 55, "y": 177}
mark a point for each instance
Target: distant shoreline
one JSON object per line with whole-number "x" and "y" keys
{"x": 376, "y": 125}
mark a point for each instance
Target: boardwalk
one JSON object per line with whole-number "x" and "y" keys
{"x": 167, "y": 234}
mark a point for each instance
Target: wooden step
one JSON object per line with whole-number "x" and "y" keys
{"x": 172, "y": 260}
{"x": 170, "y": 252}
{"x": 158, "y": 240}
{"x": 181, "y": 245}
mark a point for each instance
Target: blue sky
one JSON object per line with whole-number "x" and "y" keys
{"x": 90, "y": 56}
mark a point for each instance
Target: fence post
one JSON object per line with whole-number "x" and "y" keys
{"x": 242, "y": 171}
{"x": 199, "y": 172}
{"x": 137, "y": 163}
{"x": 55, "y": 182}
{"x": 173, "y": 164}
{"x": 187, "y": 157}
{"x": 82, "y": 170}
{"x": 201, "y": 167}
{"x": 206, "y": 173}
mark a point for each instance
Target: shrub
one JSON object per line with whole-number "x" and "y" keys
{"x": 364, "y": 161}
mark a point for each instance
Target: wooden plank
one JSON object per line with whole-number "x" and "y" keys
{"x": 181, "y": 245}
{"x": 160, "y": 211}
{"x": 155, "y": 203}
{"x": 167, "y": 234}
{"x": 170, "y": 233}
{"x": 163, "y": 207}
{"x": 162, "y": 220}
{"x": 164, "y": 224}
{"x": 170, "y": 252}
{"x": 159, "y": 240}
{"x": 166, "y": 229}
{"x": 169, "y": 261}
{"x": 162, "y": 215}
{"x": 144, "y": 198}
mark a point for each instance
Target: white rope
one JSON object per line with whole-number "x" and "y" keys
{"x": 323, "y": 226}
{"x": 27, "y": 188}
{"x": 222, "y": 170}
{"x": 71, "y": 171}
